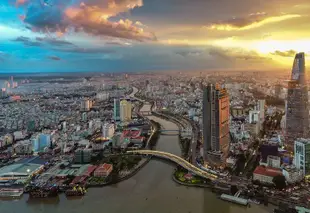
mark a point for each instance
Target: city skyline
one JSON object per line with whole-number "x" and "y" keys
{"x": 146, "y": 35}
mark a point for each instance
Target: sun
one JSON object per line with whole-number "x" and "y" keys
{"x": 270, "y": 46}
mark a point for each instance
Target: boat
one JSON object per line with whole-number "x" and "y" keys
{"x": 254, "y": 201}
{"x": 76, "y": 191}
{"x": 43, "y": 192}
{"x": 8, "y": 192}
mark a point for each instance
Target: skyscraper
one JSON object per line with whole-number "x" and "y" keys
{"x": 215, "y": 121}
{"x": 125, "y": 110}
{"x": 116, "y": 109}
{"x": 302, "y": 155}
{"x": 297, "y": 111}
{"x": 86, "y": 105}
{"x": 261, "y": 108}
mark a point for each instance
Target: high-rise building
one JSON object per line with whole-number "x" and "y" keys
{"x": 297, "y": 111}
{"x": 116, "y": 109}
{"x": 40, "y": 142}
{"x": 82, "y": 156}
{"x": 45, "y": 140}
{"x": 215, "y": 120}
{"x": 86, "y": 105}
{"x": 125, "y": 110}
{"x": 108, "y": 130}
{"x": 261, "y": 108}
{"x": 277, "y": 90}
{"x": 35, "y": 144}
{"x": 302, "y": 155}
{"x": 84, "y": 116}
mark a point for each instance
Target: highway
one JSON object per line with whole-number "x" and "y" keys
{"x": 180, "y": 161}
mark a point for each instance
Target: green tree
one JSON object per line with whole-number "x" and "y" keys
{"x": 279, "y": 182}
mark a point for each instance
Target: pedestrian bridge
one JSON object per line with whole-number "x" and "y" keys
{"x": 178, "y": 160}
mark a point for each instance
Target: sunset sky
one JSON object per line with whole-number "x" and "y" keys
{"x": 149, "y": 35}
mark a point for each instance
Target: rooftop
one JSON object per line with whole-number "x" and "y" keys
{"x": 303, "y": 140}
{"x": 24, "y": 167}
{"x": 104, "y": 167}
{"x": 267, "y": 171}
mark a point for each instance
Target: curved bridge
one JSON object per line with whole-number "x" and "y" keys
{"x": 178, "y": 160}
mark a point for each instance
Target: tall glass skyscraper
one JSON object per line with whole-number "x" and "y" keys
{"x": 297, "y": 110}
{"x": 117, "y": 106}
{"x": 215, "y": 121}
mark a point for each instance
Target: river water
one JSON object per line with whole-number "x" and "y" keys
{"x": 151, "y": 190}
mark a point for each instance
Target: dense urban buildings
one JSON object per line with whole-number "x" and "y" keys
{"x": 297, "y": 109}
{"x": 233, "y": 133}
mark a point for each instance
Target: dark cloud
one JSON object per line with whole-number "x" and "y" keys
{"x": 54, "y": 41}
{"x": 289, "y": 53}
{"x": 39, "y": 41}
{"x": 186, "y": 53}
{"x": 86, "y": 50}
{"x": 91, "y": 17}
{"x": 115, "y": 43}
{"x": 27, "y": 41}
{"x": 219, "y": 53}
{"x": 55, "y": 58}
{"x": 237, "y": 54}
{"x": 244, "y": 21}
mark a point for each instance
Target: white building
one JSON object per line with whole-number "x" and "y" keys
{"x": 86, "y": 105}
{"x": 102, "y": 96}
{"x": 292, "y": 174}
{"x": 283, "y": 122}
{"x": 90, "y": 125}
{"x": 254, "y": 116}
{"x": 97, "y": 124}
{"x": 302, "y": 154}
{"x": 125, "y": 110}
{"x": 23, "y": 148}
{"x": 265, "y": 174}
{"x": 108, "y": 130}
{"x": 274, "y": 161}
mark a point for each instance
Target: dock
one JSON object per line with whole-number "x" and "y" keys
{"x": 235, "y": 199}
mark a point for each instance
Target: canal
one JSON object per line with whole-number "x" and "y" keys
{"x": 151, "y": 190}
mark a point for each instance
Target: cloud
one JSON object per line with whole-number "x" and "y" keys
{"x": 194, "y": 53}
{"x": 55, "y": 58}
{"x": 39, "y": 41}
{"x": 251, "y": 21}
{"x": 289, "y": 53}
{"x": 233, "y": 54}
{"x": 93, "y": 18}
{"x": 27, "y": 41}
{"x": 54, "y": 41}
{"x": 94, "y": 21}
{"x": 80, "y": 50}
